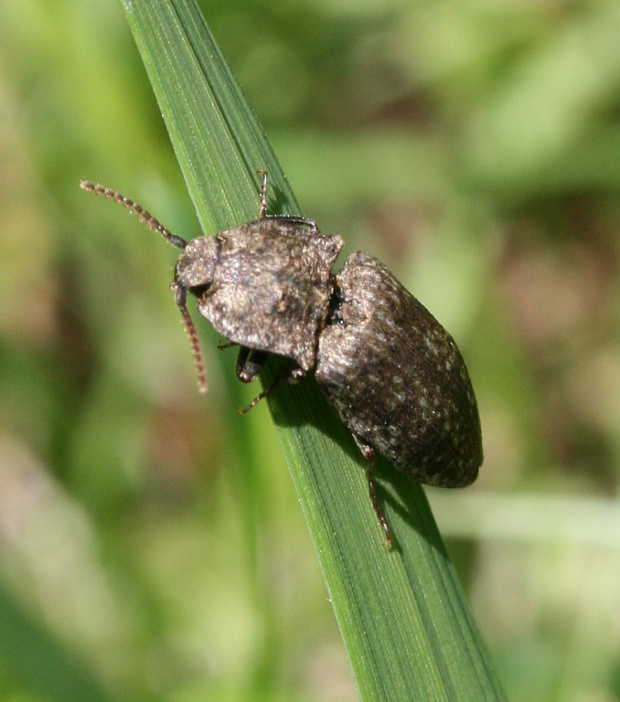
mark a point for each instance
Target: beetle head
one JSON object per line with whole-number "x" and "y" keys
{"x": 196, "y": 266}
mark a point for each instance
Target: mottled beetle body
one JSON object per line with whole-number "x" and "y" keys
{"x": 392, "y": 373}
{"x": 396, "y": 378}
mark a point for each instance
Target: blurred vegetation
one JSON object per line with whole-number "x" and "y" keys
{"x": 151, "y": 546}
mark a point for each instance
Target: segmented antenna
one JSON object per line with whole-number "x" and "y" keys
{"x": 179, "y": 290}
{"x": 134, "y": 208}
{"x": 190, "y": 330}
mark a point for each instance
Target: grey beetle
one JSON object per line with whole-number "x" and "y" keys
{"x": 392, "y": 373}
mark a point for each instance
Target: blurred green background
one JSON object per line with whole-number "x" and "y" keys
{"x": 151, "y": 546}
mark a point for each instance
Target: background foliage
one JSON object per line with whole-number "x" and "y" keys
{"x": 150, "y": 543}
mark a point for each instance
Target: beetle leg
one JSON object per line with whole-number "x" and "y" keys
{"x": 249, "y": 364}
{"x": 372, "y": 491}
{"x": 293, "y": 219}
{"x": 263, "y": 394}
{"x": 369, "y": 454}
{"x": 296, "y": 375}
{"x": 223, "y": 345}
{"x": 262, "y": 212}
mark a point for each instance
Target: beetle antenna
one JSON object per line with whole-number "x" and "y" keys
{"x": 190, "y": 330}
{"x": 134, "y": 208}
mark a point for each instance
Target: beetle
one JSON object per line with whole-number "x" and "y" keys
{"x": 392, "y": 373}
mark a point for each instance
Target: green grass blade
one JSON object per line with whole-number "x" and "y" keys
{"x": 404, "y": 619}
